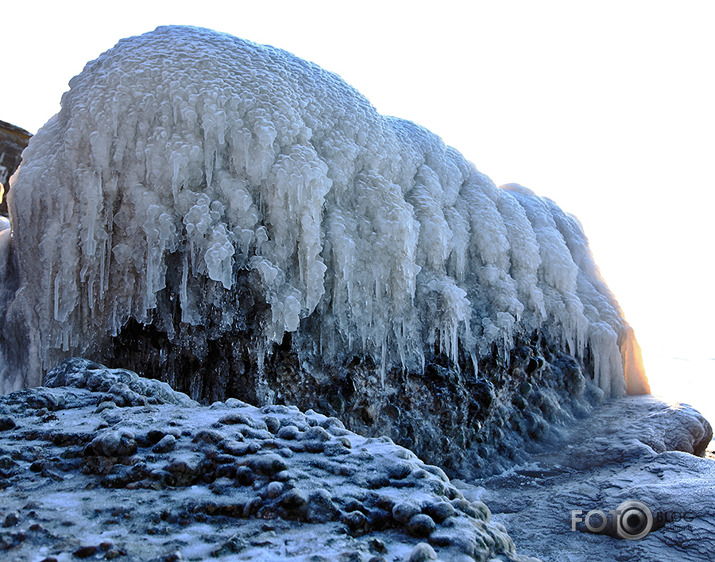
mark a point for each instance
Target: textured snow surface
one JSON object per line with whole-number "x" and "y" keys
{"x": 193, "y": 158}
{"x": 105, "y": 464}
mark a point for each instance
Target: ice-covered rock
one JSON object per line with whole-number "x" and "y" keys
{"x": 84, "y": 472}
{"x": 206, "y": 187}
{"x": 635, "y": 449}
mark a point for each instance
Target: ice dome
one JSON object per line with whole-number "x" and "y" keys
{"x": 197, "y": 190}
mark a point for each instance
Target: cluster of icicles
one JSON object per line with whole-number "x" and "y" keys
{"x": 235, "y": 158}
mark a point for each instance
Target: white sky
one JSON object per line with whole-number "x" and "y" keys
{"x": 605, "y": 107}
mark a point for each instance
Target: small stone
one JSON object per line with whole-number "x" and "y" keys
{"x": 252, "y": 507}
{"x": 209, "y": 436}
{"x": 286, "y": 452}
{"x": 421, "y": 525}
{"x": 237, "y": 418}
{"x": 235, "y": 448}
{"x": 423, "y": 553}
{"x": 7, "y": 462}
{"x": 437, "y": 471}
{"x": 107, "y": 404}
{"x": 85, "y": 551}
{"x": 11, "y": 519}
{"x": 355, "y": 521}
{"x": 165, "y": 444}
{"x": 314, "y": 446}
{"x": 274, "y": 489}
{"x": 293, "y": 499}
{"x": 465, "y": 507}
{"x": 320, "y": 508}
{"x": 404, "y": 511}
{"x": 245, "y": 476}
{"x": 272, "y": 423}
{"x": 173, "y": 557}
{"x": 288, "y": 432}
{"x": 377, "y": 545}
{"x": 232, "y": 546}
{"x": 399, "y": 470}
{"x": 282, "y": 476}
{"x": 155, "y": 435}
{"x": 6, "y": 422}
{"x": 113, "y": 444}
{"x": 316, "y": 433}
{"x": 112, "y": 553}
{"x": 439, "y": 511}
{"x": 268, "y": 465}
{"x": 482, "y": 509}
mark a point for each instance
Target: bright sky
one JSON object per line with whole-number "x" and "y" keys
{"x": 606, "y": 107}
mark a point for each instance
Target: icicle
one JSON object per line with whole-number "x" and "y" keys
{"x": 366, "y": 226}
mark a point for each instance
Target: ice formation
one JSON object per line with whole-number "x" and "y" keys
{"x": 190, "y": 174}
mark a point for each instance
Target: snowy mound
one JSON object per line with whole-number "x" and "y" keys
{"x": 206, "y": 186}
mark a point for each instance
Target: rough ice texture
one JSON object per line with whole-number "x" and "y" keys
{"x": 236, "y": 221}
{"x": 86, "y": 472}
{"x": 206, "y": 186}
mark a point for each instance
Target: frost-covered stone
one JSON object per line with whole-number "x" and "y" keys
{"x": 631, "y": 449}
{"x": 202, "y": 196}
{"x": 159, "y": 484}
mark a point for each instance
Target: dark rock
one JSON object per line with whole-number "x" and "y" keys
{"x": 421, "y": 525}
{"x": 11, "y": 519}
{"x": 113, "y": 443}
{"x": 85, "y": 551}
{"x": 268, "y": 464}
{"x": 403, "y": 512}
{"x": 320, "y": 507}
{"x": 355, "y": 521}
{"x": 293, "y": 499}
{"x": 439, "y": 511}
{"x": 245, "y": 476}
{"x": 165, "y": 444}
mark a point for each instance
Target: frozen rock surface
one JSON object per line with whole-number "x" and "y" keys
{"x": 635, "y": 448}
{"x": 116, "y": 466}
{"x": 238, "y": 222}
{"x": 200, "y": 200}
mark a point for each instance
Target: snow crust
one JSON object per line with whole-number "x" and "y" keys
{"x": 192, "y": 155}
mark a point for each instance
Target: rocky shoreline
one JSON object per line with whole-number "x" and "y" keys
{"x": 631, "y": 449}
{"x": 101, "y": 463}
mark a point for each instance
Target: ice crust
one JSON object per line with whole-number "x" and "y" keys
{"x": 192, "y": 155}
